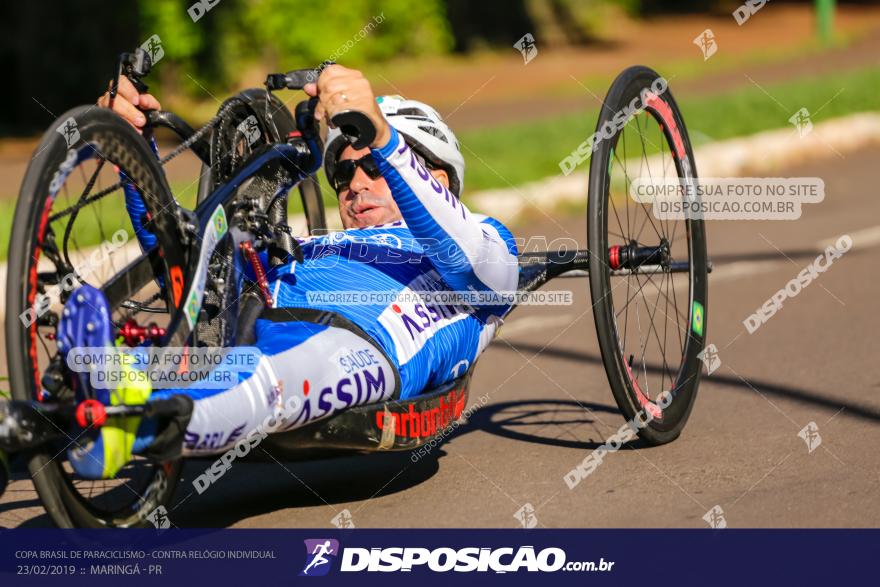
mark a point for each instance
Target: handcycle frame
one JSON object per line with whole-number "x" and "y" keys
{"x": 391, "y": 425}
{"x": 377, "y": 427}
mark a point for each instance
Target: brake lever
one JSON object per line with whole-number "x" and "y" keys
{"x": 134, "y": 66}
{"x": 304, "y": 114}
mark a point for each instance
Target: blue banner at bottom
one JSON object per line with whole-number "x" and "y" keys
{"x": 436, "y": 557}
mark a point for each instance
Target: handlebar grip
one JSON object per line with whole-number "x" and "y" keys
{"x": 295, "y": 79}
{"x": 357, "y": 128}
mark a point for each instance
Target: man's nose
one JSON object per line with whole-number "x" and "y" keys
{"x": 360, "y": 181}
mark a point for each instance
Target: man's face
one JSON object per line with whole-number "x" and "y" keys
{"x": 366, "y": 201}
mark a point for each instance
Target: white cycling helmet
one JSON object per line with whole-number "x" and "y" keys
{"x": 423, "y": 130}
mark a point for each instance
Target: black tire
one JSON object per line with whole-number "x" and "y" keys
{"x": 102, "y": 135}
{"x": 681, "y": 365}
{"x": 275, "y": 123}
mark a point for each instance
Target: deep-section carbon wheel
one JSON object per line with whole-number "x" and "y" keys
{"x": 71, "y": 226}
{"x": 648, "y": 276}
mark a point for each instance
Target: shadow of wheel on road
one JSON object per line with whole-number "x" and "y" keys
{"x": 251, "y": 489}
{"x": 550, "y": 422}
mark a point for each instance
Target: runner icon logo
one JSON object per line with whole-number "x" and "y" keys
{"x": 710, "y": 358}
{"x": 715, "y": 518}
{"x": 802, "y": 122}
{"x": 153, "y": 47}
{"x": 343, "y": 520}
{"x": 810, "y": 435}
{"x": 250, "y": 129}
{"x": 707, "y": 44}
{"x": 527, "y": 47}
{"x": 69, "y": 131}
{"x": 159, "y": 518}
{"x": 320, "y": 554}
{"x": 526, "y": 516}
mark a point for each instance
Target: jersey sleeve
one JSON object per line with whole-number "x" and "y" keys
{"x": 469, "y": 251}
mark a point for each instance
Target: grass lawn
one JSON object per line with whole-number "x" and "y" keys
{"x": 513, "y": 154}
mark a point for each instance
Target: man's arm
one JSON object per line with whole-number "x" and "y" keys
{"x": 469, "y": 252}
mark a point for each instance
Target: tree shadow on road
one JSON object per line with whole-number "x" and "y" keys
{"x": 753, "y": 385}
{"x": 252, "y": 489}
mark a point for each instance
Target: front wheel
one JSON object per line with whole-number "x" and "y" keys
{"x": 648, "y": 275}
{"x": 72, "y": 227}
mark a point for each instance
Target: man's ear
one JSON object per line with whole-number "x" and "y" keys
{"x": 441, "y": 176}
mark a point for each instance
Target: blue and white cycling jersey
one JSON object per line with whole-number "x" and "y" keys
{"x": 440, "y": 246}
{"x": 378, "y": 278}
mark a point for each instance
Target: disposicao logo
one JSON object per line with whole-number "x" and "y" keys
{"x": 320, "y": 554}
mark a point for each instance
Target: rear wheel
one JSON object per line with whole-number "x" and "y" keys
{"x": 230, "y": 147}
{"x": 648, "y": 277}
{"x": 71, "y": 227}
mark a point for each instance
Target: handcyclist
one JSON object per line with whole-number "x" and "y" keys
{"x": 406, "y": 230}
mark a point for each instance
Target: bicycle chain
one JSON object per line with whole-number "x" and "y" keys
{"x": 199, "y": 133}
{"x": 187, "y": 144}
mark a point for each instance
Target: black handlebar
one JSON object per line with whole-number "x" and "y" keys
{"x": 356, "y": 126}
{"x": 295, "y": 79}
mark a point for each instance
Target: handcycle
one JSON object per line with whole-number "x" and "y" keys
{"x": 190, "y": 281}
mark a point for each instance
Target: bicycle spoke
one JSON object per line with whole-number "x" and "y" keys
{"x": 653, "y": 327}
{"x": 649, "y": 338}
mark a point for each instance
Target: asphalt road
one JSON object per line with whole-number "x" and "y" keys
{"x": 547, "y": 404}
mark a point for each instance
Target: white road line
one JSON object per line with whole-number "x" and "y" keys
{"x": 867, "y": 237}
{"x": 741, "y": 269}
{"x": 530, "y": 323}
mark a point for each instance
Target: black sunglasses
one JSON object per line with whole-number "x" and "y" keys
{"x": 346, "y": 168}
